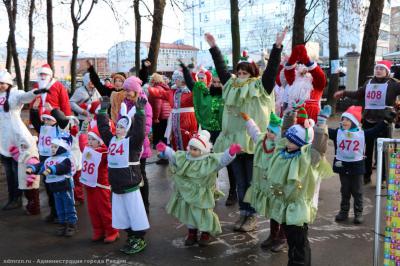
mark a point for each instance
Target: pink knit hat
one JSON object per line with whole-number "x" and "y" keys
{"x": 133, "y": 84}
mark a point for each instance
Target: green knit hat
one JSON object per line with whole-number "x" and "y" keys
{"x": 275, "y": 124}
{"x": 214, "y": 73}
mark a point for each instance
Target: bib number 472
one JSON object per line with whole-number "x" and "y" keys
{"x": 349, "y": 145}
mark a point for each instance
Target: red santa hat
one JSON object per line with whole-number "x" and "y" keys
{"x": 354, "y": 114}
{"x": 201, "y": 141}
{"x": 385, "y": 64}
{"x": 203, "y": 74}
{"x": 45, "y": 69}
{"x": 47, "y": 114}
{"x": 94, "y": 133}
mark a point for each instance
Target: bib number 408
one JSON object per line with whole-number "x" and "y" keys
{"x": 374, "y": 95}
{"x": 349, "y": 145}
{"x": 114, "y": 150}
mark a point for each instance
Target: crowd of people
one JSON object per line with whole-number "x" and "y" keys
{"x": 268, "y": 130}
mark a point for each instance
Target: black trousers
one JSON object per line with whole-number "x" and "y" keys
{"x": 351, "y": 185}
{"x": 50, "y": 196}
{"x": 11, "y": 171}
{"x": 136, "y": 234}
{"x": 145, "y": 189}
{"x": 159, "y": 131}
{"x": 369, "y": 151}
{"x": 299, "y": 247}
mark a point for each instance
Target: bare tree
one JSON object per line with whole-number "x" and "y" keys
{"x": 333, "y": 51}
{"x": 30, "y": 47}
{"x": 9, "y": 53}
{"x": 11, "y": 6}
{"x": 158, "y": 14}
{"x": 138, "y": 31}
{"x": 78, "y": 18}
{"x": 235, "y": 30}
{"x": 299, "y": 18}
{"x": 50, "y": 34}
{"x": 369, "y": 44}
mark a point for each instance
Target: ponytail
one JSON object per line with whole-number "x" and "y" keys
{"x": 6, "y": 104}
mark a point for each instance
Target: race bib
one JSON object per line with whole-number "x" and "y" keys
{"x": 118, "y": 153}
{"x": 47, "y": 133}
{"x": 375, "y": 96}
{"x": 350, "y": 145}
{"x": 90, "y": 166}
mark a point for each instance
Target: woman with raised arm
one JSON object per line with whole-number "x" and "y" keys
{"x": 247, "y": 93}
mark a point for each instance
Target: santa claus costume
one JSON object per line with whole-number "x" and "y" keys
{"x": 305, "y": 81}
{"x": 182, "y": 122}
{"x": 94, "y": 176}
{"x": 56, "y": 95}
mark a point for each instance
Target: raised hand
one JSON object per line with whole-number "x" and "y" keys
{"x": 140, "y": 103}
{"x": 324, "y": 114}
{"x": 161, "y": 147}
{"x": 147, "y": 63}
{"x": 280, "y": 37}
{"x": 338, "y": 94}
{"x": 234, "y": 149}
{"x": 210, "y": 39}
{"x": 89, "y": 64}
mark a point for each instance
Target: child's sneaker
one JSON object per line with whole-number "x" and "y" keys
{"x": 191, "y": 238}
{"x": 135, "y": 245}
{"x": 250, "y": 224}
{"x": 205, "y": 239}
{"x": 61, "y": 229}
{"x": 70, "y": 230}
{"x": 111, "y": 238}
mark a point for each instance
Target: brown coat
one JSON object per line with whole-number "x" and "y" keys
{"x": 116, "y": 99}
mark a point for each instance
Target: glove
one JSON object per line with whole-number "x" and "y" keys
{"x": 245, "y": 116}
{"x": 105, "y": 103}
{"x": 324, "y": 114}
{"x": 140, "y": 103}
{"x": 85, "y": 126}
{"x": 161, "y": 147}
{"x": 40, "y": 91}
{"x": 28, "y": 171}
{"x": 14, "y": 152}
{"x": 234, "y": 149}
{"x": 30, "y": 179}
{"x": 389, "y": 115}
{"x": 302, "y": 54}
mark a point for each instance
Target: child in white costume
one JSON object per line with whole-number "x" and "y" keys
{"x": 124, "y": 151}
{"x": 195, "y": 174}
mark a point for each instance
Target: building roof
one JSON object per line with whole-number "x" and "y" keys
{"x": 393, "y": 54}
{"x": 174, "y": 46}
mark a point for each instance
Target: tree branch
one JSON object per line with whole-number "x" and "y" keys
{"x": 309, "y": 35}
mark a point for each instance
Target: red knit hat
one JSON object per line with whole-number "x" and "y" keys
{"x": 353, "y": 113}
{"x": 301, "y": 115}
{"x": 47, "y": 114}
{"x": 94, "y": 132}
{"x": 384, "y": 63}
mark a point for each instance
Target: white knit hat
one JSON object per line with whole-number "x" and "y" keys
{"x": 45, "y": 69}
{"x": 201, "y": 141}
{"x": 300, "y": 135}
{"x": 6, "y": 77}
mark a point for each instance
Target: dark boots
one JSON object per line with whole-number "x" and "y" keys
{"x": 191, "y": 238}
{"x": 66, "y": 229}
{"x": 33, "y": 206}
{"x": 205, "y": 239}
{"x": 13, "y": 204}
{"x": 276, "y": 242}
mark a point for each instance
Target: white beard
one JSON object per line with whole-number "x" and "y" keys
{"x": 44, "y": 82}
{"x": 300, "y": 90}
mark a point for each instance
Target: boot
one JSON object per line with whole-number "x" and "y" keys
{"x": 33, "y": 206}
{"x": 204, "y": 239}
{"x": 367, "y": 179}
{"x": 267, "y": 243}
{"x": 342, "y": 216}
{"x": 358, "y": 218}
{"x": 51, "y": 218}
{"x": 112, "y": 238}
{"x": 232, "y": 198}
{"x": 61, "y": 229}
{"x": 238, "y": 224}
{"x": 278, "y": 245}
{"x": 191, "y": 238}
{"x": 162, "y": 162}
{"x": 135, "y": 245}
{"x": 70, "y": 230}
{"x": 250, "y": 224}
{"x": 274, "y": 230}
{"x": 14, "y": 204}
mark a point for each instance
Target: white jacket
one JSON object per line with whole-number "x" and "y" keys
{"x": 81, "y": 95}
{"x": 11, "y": 122}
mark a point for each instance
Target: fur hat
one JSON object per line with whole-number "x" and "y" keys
{"x": 177, "y": 75}
{"x": 201, "y": 141}
{"x": 6, "y": 77}
{"x": 45, "y": 69}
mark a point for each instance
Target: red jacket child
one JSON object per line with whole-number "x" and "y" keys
{"x": 94, "y": 176}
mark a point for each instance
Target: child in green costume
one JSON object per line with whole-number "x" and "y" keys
{"x": 257, "y": 193}
{"x": 195, "y": 174}
{"x": 295, "y": 171}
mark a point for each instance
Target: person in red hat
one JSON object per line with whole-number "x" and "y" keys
{"x": 305, "y": 81}
{"x": 378, "y": 92}
{"x": 349, "y": 140}
{"x": 94, "y": 176}
{"x": 56, "y": 95}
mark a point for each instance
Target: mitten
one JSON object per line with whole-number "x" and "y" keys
{"x": 389, "y": 115}
{"x": 140, "y": 103}
{"x": 30, "y": 179}
{"x": 14, "y": 152}
{"x": 40, "y": 91}
{"x": 245, "y": 116}
{"x": 324, "y": 114}
{"x": 161, "y": 146}
{"x": 294, "y": 57}
{"x": 85, "y": 126}
{"x": 234, "y": 149}
{"x": 302, "y": 54}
